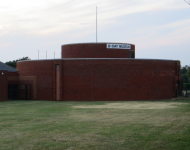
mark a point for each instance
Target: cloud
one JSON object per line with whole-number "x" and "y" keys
{"x": 52, "y": 16}
{"x": 46, "y": 24}
{"x": 179, "y": 34}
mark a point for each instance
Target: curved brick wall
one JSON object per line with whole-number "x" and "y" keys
{"x": 95, "y": 50}
{"x": 102, "y": 79}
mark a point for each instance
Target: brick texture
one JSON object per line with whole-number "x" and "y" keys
{"x": 94, "y": 50}
{"x": 4, "y": 81}
{"x": 3, "y": 85}
{"x": 44, "y": 73}
{"x": 104, "y": 79}
{"x": 91, "y": 72}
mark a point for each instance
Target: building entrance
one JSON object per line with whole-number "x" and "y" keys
{"x": 19, "y": 92}
{"x": 12, "y": 92}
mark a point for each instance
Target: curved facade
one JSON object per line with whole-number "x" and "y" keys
{"x": 102, "y": 79}
{"x": 92, "y": 72}
{"x": 98, "y": 50}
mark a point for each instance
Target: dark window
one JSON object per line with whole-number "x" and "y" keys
{"x": 19, "y": 91}
{"x": 131, "y": 54}
{"x": 12, "y": 91}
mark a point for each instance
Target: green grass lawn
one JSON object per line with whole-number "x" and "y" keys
{"x": 48, "y": 125}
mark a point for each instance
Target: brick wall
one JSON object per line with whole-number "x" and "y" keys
{"x": 43, "y": 72}
{"x": 103, "y": 79}
{"x": 3, "y": 85}
{"x": 118, "y": 79}
{"x": 4, "y": 81}
{"x": 94, "y": 50}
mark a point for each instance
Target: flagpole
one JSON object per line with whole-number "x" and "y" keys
{"x": 96, "y": 26}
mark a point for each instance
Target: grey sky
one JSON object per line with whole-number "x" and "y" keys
{"x": 159, "y": 29}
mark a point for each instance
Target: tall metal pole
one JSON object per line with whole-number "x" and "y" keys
{"x": 96, "y": 25}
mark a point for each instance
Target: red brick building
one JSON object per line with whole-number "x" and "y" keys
{"x": 97, "y": 72}
{"x": 6, "y": 75}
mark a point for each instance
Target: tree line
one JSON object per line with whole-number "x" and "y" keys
{"x": 13, "y": 63}
{"x": 185, "y": 76}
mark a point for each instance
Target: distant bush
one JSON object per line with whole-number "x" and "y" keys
{"x": 13, "y": 63}
{"x": 185, "y": 78}
{"x": 186, "y": 86}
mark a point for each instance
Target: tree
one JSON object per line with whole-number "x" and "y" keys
{"x": 188, "y": 74}
{"x": 184, "y": 76}
{"x": 184, "y": 70}
{"x": 13, "y": 63}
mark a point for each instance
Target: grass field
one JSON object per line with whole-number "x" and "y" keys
{"x": 48, "y": 125}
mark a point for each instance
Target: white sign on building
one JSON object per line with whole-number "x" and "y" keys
{"x": 119, "y": 46}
